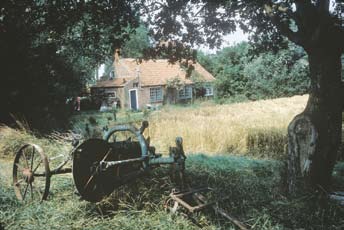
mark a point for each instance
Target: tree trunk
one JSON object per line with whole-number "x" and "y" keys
{"x": 314, "y": 136}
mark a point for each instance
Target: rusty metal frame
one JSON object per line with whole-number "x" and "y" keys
{"x": 178, "y": 197}
{"x": 202, "y": 203}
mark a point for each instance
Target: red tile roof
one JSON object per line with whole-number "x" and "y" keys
{"x": 152, "y": 72}
{"x": 116, "y": 82}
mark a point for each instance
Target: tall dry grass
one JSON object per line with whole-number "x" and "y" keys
{"x": 258, "y": 127}
{"x": 56, "y": 145}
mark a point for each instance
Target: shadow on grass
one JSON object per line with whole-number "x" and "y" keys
{"x": 254, "y": 188}
{"x": 254, "y": 192}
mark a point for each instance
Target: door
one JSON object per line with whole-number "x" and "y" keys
{"x": 133, "y": 99}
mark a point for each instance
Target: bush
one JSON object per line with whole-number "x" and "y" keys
{"x": 268, "y": 75}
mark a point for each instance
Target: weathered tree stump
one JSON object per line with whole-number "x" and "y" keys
{"x": 302, "y": 137}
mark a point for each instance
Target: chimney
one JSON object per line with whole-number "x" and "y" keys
{"x": 138, "y": 73}
{"x": 117, "y": 55}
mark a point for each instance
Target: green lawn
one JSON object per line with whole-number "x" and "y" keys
{"x": 254, "y": 189}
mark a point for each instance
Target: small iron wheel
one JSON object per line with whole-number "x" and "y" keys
{"x": 31, "y": 173}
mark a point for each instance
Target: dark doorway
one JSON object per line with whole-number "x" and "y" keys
{"x": 133, "y": 99}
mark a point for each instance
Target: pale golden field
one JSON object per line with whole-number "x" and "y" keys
{"x": 259, "y": 127}
{"x": 256, "y": 128}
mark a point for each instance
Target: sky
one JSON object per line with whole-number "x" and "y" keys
{"x": 229, "y": 40}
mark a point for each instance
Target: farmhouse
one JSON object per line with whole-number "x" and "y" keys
{"x": 136, "y": 85}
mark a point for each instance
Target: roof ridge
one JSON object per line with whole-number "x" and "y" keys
{"x": 153, "y": 60}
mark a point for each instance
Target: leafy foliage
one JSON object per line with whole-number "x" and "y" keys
{"x": 277, "y": 75}
{"x": 137, "y": 43}
{"x": 49, "y": 50}
{"x": 267, "y": 21}
{"x": 228, "y": 69}
{"x": 134, "y": 47}
{"x": 268, "y": 75}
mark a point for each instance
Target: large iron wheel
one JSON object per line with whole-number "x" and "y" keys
{"x": 31, "y": 173}
{"x": 92, "y": 184}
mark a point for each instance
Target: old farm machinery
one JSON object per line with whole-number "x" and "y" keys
{"x": 99, "y": 166}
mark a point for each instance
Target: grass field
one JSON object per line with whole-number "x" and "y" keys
{"x": 214, "y": 136}
{"x": 257, "y": 128}
{"x": 254, "y": 187}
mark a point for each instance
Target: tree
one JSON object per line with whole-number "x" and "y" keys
{"x": 137, "y": 43}
{"x": 49, "y": 49}
{"x": 310, "y": 24}
{"x": 228, "y": 68}
{"x": 134, "y": 47}
{"x": 280, "y": 74}
{"x": 241, "y": 74}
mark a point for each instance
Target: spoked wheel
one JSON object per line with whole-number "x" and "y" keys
{"x": 31, "y": 173}
{"x": 92, "y": 184}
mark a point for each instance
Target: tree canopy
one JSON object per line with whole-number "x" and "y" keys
{"x": 242, "y": 75}
{"x": 50, "y": 48}
{"x": 267, "y": 21}
{"x": 315, "y": 25}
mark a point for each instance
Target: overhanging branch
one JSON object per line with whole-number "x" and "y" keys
{"x": 282, "y": 25}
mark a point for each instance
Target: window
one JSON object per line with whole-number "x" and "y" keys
{"x": 155, "y": 94}
{"x": 209, "y": 91}
{"x": 136, "y": 84}
{"x": 185, "y": 93}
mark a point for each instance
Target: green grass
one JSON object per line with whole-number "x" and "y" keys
{"x": 253, "y": 188}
